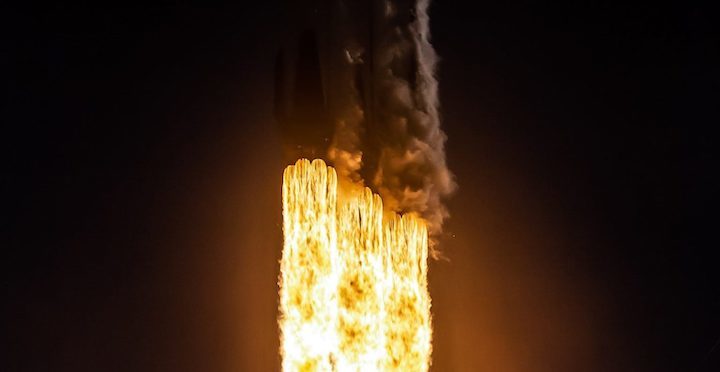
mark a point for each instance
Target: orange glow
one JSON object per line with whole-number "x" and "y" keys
{"x": 353, "y": 281}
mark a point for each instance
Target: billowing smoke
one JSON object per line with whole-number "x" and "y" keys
{"x": 395, "y": 143}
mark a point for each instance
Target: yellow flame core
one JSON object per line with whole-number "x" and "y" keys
{"x": 353, "y": 279}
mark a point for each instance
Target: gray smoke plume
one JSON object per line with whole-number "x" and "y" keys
{"x": 395, "y": 143}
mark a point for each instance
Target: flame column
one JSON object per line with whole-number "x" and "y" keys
{"x": 308, "y": 279}
{"x": 363, "y": 282}
{"x": 407, "y": 320}
{"x": 353, "y": 281}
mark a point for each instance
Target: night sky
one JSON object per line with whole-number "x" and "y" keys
{"x": 141, "y": 173}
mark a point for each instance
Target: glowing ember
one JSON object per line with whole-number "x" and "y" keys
{"x": 353, "y": 282}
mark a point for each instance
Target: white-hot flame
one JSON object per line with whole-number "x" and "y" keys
{"x": 353, "y": 282}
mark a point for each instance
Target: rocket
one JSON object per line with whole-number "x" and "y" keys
{"x": 330, "y": 53}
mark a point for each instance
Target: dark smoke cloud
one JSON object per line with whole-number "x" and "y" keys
{"x": 395, "y": 143}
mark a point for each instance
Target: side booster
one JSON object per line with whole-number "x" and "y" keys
{"x": 300, "y": 100}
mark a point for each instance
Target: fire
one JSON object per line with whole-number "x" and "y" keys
{"x": 353, "y": 281}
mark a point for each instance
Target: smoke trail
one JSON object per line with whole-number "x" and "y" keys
{"x": 402, "y": 154}
{"x": 411, "y": 173}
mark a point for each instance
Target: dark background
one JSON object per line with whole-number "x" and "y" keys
{"x": 141, "y": 173}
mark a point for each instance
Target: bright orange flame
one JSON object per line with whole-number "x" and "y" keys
{"x": 353, "y": 282}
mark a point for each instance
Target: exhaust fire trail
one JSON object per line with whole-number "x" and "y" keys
{"x": 353, "y": 281}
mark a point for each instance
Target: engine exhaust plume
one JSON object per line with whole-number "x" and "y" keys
{"x": 353, "y": 281}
